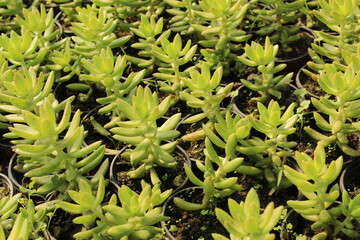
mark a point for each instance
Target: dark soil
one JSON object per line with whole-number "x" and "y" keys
{"x": 244, "y": 103}
{"x": 85, "y": 105}
{"x": 307, "y": 144}
{"x": 171, "y": 178}
{"x": 4, "y": 190}
{"x": 310, "y": 85}
{"x": 94, "y": 135}
{"x": 188, "y": 225}
{"x": 62, "y": 226}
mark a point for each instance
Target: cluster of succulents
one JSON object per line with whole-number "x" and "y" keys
{"x": 147, "y": 58}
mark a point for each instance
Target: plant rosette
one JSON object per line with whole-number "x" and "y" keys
{"x": 174, "y": 178}
{"x": 62, "y": 226}
{"x": 191, "y": 224}
{"x": 295, "y": 227}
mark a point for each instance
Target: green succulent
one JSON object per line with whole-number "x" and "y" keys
{"x": 104, "y": 70}
{"x": 313, "y": 181}
{"x": 134, "y": 219}
{"x": 182, "y": 20}
{"x": 11, "y": 7}
{"x": 345, "y": 87}
{"x": 215, "y": 184}
{"x": 54, "y": 162}
{"x": 141, "y": 130}
{"x": 206, "y": 95}
{"x": 223, "y": 36}
{"x": 281, "y": 20}
{"x": 264, "y": 59}
{"x": 41, "y": 25}
{"x": 94, "y": 32}
{"x": 269, "y": 154}
{"x": 172, "y": 56}
{"x": 246, "y": 221}
{"x": 341, "y": 17}
{"x": 22, "y": 50}
{"x": 8, "y": 206}
{"x": 147, "y": 32}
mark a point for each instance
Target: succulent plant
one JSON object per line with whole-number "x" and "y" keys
{"x": 269, "y": 154}
{"x": 53, "y": 162}
{"x": 142, "y": 131}
{"x": 340, "y": 17}
{"x": 223, "y": 36}
{"x": 215, "y": 184}
{"x": 41, "y": 25}
{"x": 266, "y": 84}
{"x": 134, "y": 219}
{"x": 103, "y": 70}
{"x": 319, "y": 207}
{"x": 182, "y": 20}
{"x": 23, "y": 50}
{"x": 10, "y": 7}
{"x": 147, "y": 31}
{"x": 94, "y": 32}
{"x": 246, "y": 221}
{"x": 204, "y": 94}
{"x": 345, "y": 87}
{"x": 172, "y": 56}
{"x": 281, "y": 20}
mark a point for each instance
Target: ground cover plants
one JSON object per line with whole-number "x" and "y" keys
{"x": 164, "y": 75}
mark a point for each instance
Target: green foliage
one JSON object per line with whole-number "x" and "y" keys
{"x": 23, "y": 90}
{"x": 141, "y": 130}
{"x": 8, "y": 206}
{"x": 341, "y": 17}
{"x": 134, "y": 219}
{"x": 182, "y": 20}
{"x": 313, "y": 182}
{"x": 204, "y": 94}
{"x": 41, "y": 25}
{"x": 147, "y": 31}
{"x": 103, "y": 69}
{"x": 280, "y": 20}
{"x": 172, "y": 56}
{"x": 54, "y": 162}
{"x": 94, "y": 32}
{"x": 270, "y": 153}
{"x": 215, "y": 184}
{"x": 345, "y": 87}
{"x": 246, "y": 221}
{"x": 10, "y": 7}
{"x": 265, "y": 83}
{"x": 223, "y": 36}
{"x": 23, "y": 50}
